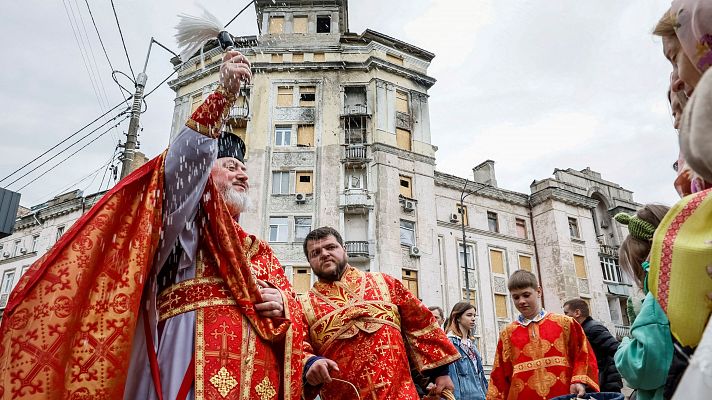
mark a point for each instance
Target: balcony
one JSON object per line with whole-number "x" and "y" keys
{"x": 356, "y": 199}
{"x": 355, "y": 154}
{"x": 238, "y": 116}
{"x": 355, "y": 109}
{"x": 622, "y": 331}
{"x": 357, "y": 249}
{"x": 610, "y": 251}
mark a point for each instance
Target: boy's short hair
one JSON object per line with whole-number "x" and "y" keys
{"x": 578, "y": 304}
{"x": 522, "y": 279}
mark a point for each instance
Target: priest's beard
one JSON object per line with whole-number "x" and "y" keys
{"x": 334, "y": 275}
{"x": 236, "y": 201}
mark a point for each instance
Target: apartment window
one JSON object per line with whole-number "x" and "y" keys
{"x": 410, "y": 280}
{"x": 304, "y": 183}
{"x": 407, "y": 233}
{"x": 280, "y": 182}
{"x": 283, "y": 136}
{"x": 521, "y": 228}
{"x": 461, "y": 257}
{"x": 302, "y": 227}
{"x": 196, "y": 101}
{"x": 500, "y": 306}
{"x": 323, "y": 24}
{"x": 277, "y": 58}
{"x": 394, "y": 59}
{"x": 8, "y": 278}
{"x": 497, "y": 262}
{"x": 406, "y": 186}
{"x": 403, "y": 139}
{"x": 307, "y": 96}
{"x": 574, "y": 228}
{"x": 492, "y": 221}
{"x": 402, "y": 102}
{"x": 297, "y": 57}
{"x": 525, "y": 262}
{"x": 580, "y": 266}
{"x": 473, "y": 295}
{"x": 305, "y": 136}
{"x": 284, "y": 96}
{"x": 301, "y": 24}
{"x": 276, "y": 24}
{"x": 24, "y": 269}
{"x": 35, "y": 239}
{"x": 319, "y": 57}
{"x": 60, "y": 232}
{"x": 462, "y": 210}
{"x": 278, "y": 229}
{"x": 18, "y": 247}
{"x": 301, "y": 279}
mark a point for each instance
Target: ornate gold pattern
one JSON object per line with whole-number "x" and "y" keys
{"x": 223, "y": 381}
{"x": 544, "y": 362}
{"x": 265, "y": 389}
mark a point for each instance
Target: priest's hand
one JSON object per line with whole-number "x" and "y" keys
{"x": 235, "y": 68}
{"x": 441, "y": 383}
{"x": 318, "y": 373}
{"x": 272, "y": 303}
{"x": 578, "y": 389}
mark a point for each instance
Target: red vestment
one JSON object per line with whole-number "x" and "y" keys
{"x": 69, "y": 324}
{"x": 361, "y": 322}
{"x": 541, "y": 360}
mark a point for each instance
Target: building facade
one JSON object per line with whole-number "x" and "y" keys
{"x": 37, "y": 229}
{"x": 338, "y": 133}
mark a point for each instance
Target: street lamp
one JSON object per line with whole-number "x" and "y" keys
{"x": 464, "y": 195}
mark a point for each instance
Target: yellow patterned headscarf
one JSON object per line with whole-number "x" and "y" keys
{"x": 679, "y": 257}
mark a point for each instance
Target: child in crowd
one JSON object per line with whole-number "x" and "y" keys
{"x": 540, "y": 355}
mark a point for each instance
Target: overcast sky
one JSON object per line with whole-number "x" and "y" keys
{"x": 533, "y": 85}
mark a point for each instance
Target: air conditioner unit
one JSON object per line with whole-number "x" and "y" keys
{"x": 454, "y": 217}
{"x": 3, "y": 300}
{"x": 414, "y": 251}
{"x": 300, "y": 198}
{"x": 23, "y": 251}
{"x": 408, "y": 205}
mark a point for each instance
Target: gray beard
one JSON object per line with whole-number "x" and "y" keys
{"x": 236, "y": 201}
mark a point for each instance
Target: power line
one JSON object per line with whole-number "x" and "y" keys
{"x": 106, "y": 54}
{"x": 100, "y": 82}
{"x": 71, "y": 155}
{"x": 113, "y": 156}
{"x": 116, "y": 17}
{"x": 81, "y": 52}
{"x": 67, "y": 148}
{"x": 64, "y": 140}
{"x": 66, "y": 188}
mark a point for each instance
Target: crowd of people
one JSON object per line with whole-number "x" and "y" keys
{"x": 157, "y": 292}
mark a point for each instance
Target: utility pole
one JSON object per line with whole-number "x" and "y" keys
{"x": 127, "y": 156}
{"x": 131, "y": 144}
{"x": 464, "y": 195}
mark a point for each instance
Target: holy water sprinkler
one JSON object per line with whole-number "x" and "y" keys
{"x": 193, "y": 32}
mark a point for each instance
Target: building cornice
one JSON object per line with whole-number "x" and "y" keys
{"x": 407, "y": 155}
{"x": 564, "y": 196}
{"x": 457, "y": 183}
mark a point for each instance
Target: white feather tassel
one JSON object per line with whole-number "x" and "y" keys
{"x": 193, "y": 32}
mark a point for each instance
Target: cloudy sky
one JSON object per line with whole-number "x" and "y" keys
{"x": 533, "y": 85}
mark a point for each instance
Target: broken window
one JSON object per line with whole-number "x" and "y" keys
{"x": 307, "y": 96}
{"x": 323, "y": 24}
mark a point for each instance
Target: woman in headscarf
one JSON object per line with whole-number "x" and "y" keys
{"x": 681, "y": 251}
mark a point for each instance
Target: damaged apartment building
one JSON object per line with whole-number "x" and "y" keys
{"x": 337, "y": 129}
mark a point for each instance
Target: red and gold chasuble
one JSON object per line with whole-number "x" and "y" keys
{"x": 68, "y": 327}
{"x": 541, "y": 360}
{"x": 366, "y": 322}
{"x": 232, "y": 360}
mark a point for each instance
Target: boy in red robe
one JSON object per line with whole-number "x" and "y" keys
{"x": 540, "y": 355}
